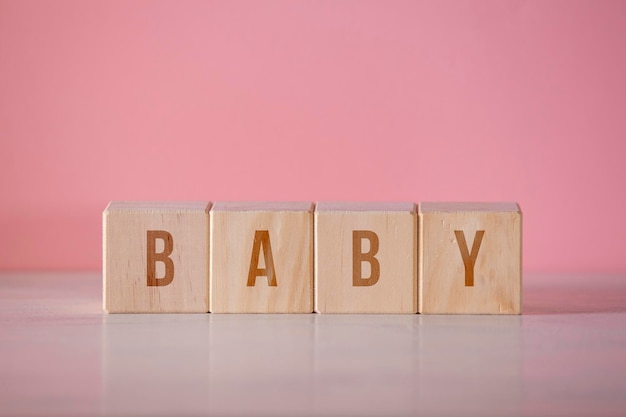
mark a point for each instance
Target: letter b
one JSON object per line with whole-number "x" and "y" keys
{"x": 358, "y": 257}
{"x": 153, "y": 257}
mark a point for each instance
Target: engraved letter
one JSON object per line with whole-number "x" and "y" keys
{"x": 469, "y": 260}
{"x": 358, "y": 257}
{"x": 262, "y": 239}
{"x": 153, "y": 257}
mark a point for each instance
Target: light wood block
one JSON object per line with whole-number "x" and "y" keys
{"x": 365, "y": 258}
{"x": 155, "y": 257}
{"x": 262, "y": 257}
{"x": 470, "y": 258}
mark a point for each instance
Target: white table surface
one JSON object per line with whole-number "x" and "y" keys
{"x": 61, "y": 356}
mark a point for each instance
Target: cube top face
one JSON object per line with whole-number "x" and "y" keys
{"x": 263, "y": 206}
{"x": 155, "y": 257}
{"x": 366, "y": 258}
{"x": 468, "y": 207}
{"x": 261, "y": 258}
{"x": 471, "y": 258}
{"x": 365, "y": 206}
{"x": 161, "y": 206}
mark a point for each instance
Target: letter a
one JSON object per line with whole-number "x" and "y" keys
{"x": 469, "y": 260}
{"x": 358, "y": 257}
{"x": 262, "y": 238}
{"x": 153, "y": 257}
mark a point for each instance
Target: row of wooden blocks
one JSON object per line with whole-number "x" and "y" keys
{"x": 329, "y": 257}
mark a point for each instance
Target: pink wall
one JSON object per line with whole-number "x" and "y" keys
{"x": 352, "y": 100}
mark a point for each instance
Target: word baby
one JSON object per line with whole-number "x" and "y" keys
{"x": 272, "y": 257}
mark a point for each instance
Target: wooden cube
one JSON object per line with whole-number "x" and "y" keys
{"x": 262, "y": 257}
{"x": 155, "y": 257}
{"x": 470, "y": 258}
{"x": 365, "y": 258}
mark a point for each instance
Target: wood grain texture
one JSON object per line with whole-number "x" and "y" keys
{"x": 289, "y": 234}
{"x": 126, "y": 260}
{"x": 339, "y": 233}
{"x": 451, "y": 242}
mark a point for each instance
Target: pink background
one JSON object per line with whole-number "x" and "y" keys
{"x": 292, "y": 100}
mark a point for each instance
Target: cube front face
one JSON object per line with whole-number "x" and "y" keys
{"x": 155, "y": 257}
{"x": 262, "y": 258}
{"x": 470, "y": 258}
{"x": 365, "y": 258}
